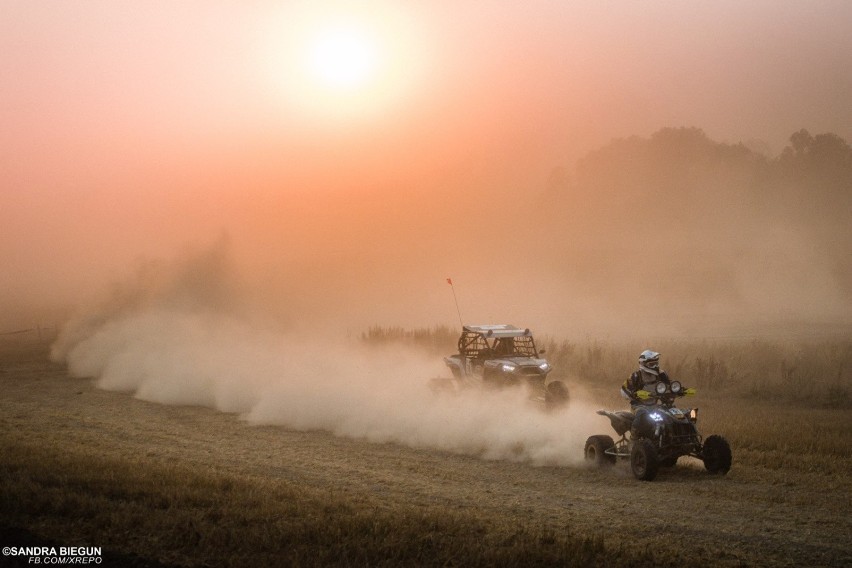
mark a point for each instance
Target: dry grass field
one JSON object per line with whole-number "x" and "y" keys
{"x": 158, "y": 485}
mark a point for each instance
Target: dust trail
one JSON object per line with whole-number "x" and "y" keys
{"x": 158, "y": 341}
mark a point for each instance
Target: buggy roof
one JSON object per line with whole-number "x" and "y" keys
{"x": 497, "y": 330}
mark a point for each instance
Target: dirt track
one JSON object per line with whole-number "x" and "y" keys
{"x": 754, "y": 516}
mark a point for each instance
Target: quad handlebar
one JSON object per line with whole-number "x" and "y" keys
{"x": 666, "y": 392}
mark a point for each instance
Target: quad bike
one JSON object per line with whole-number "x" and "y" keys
{"x": 657, "y": 436}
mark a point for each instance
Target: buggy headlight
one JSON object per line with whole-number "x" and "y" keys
{"x": 544, "y": 366}
{"x": 509, "y": 367}
{"x": 661, "y": 388}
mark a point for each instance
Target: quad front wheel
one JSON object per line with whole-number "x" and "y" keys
{"x": 643, "y": 460}
{"x": 716, "y": 454}
{"x": 595, "y": 451}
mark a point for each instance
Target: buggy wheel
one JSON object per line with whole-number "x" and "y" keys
{"x": 555, "y": 394}
{"x": 595, "y": 450}
{"x": 643, "y": 460}
{"x": 716, "y": 454}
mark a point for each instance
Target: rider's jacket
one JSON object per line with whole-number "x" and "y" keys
{"x": 641, "y": 380}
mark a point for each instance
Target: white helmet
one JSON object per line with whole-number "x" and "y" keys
{"x": 649, "y": 361}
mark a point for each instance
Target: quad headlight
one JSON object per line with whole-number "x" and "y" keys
{"x": 676, "y": 387}
{"x": 661, "y": 388}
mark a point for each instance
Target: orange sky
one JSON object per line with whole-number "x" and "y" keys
{"x": 132, "y": 130}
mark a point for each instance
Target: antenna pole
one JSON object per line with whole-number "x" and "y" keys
{"x": 453, "y": 288}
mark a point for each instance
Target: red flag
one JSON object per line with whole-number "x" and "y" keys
{"x": 450, "y": 281}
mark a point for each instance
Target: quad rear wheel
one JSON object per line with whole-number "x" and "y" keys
{"x": 595, "y": 450}
{"x": 643, "y": 460}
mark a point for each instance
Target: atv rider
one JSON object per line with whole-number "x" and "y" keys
{"x": 644, "y": 379}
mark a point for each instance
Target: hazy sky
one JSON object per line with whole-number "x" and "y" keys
{"x": 131, "y": 129}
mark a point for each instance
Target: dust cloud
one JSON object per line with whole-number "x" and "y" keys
{"x": 671, "y": 235}
{"x": 179, "y": 333}
{"x": 674, "y": 234}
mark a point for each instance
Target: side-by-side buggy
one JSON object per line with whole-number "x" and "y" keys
{"x": 497, "y": 356}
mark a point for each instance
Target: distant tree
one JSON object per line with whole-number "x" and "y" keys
{"x": 831, "y": 150}
{"x": 800, "y": 143}
{"x": 813, "y": 183}
{"x": 822, "y": 154}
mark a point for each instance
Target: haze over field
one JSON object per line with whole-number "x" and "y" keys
{"x": 348, "y": 159}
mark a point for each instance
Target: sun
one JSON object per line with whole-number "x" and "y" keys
{"x": 330, "y": 64}
{"x": 343, "y": 58}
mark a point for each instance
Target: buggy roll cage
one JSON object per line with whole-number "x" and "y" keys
{"x": 482, "y": 342}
